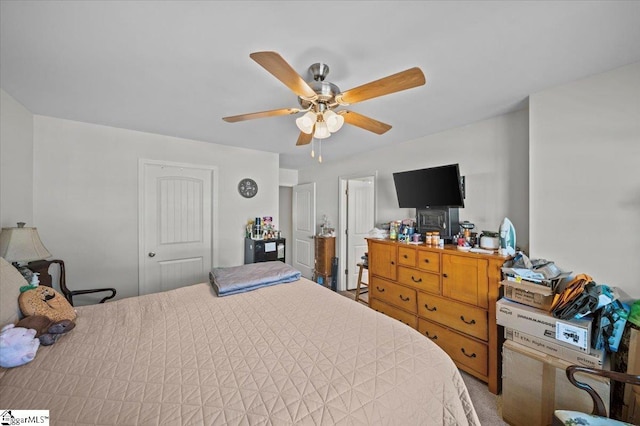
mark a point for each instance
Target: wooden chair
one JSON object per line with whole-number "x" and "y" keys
{"x": 42, "y": 267}
{"x": 361, "y": 267}
{"x": 599, "y": 414}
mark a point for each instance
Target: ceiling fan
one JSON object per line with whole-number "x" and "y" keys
{"x": 318, "y": 98}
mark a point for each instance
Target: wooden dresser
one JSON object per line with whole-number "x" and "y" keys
{"x": 447, "y": 295}
{"x": 325, "y": 249}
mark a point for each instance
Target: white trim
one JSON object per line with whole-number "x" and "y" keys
{"x": 142, "y": 162}
{"x": 342, "y": 219}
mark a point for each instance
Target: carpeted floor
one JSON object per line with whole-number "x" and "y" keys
{"x": 487, "y": 405}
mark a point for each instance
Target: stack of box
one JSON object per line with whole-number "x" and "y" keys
{"x": 538, "y": 349}
{"x": 535, "y": 384}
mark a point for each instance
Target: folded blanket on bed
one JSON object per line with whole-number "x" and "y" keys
{"x": 239, "y": 279}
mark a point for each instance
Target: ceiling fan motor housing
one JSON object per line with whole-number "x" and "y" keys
{"x": 325, "y": 90}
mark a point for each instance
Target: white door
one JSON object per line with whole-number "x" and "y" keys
{"x": 175, "y": 225}
{"x": 360, "y": 220}
{"x": 304, "y": 228}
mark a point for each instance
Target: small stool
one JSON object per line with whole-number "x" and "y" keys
{"x": 361, "y": 267}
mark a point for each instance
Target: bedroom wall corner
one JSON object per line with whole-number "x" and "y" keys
{"x": 16, "y": 162}
{"x": 86, "y": 196}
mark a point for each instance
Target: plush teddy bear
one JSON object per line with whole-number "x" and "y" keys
{"x": 47, "y": 331}
{"x": 18, "y": 346}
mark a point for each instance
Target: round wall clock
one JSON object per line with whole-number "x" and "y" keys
{"x": 248, "y": 188}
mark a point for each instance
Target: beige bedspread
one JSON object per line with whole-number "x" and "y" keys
{"x": 292, "y": 353}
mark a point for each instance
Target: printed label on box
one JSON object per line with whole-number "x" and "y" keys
{"x": 573, "y": 335}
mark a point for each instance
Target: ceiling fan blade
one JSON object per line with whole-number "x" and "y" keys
{"x": 262, "y": 114}
{"x": 404, "y": 80}
{"x": 280, "y": 69}
{"x": 364, "y": 122}
{"x": 304, "y": 139}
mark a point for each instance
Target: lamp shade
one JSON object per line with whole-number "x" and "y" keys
{"x": 306, "y": 122}
{"x": 334, "y": 121}
{"x": 22, "y": 244}
{"x": 322, "y": 131}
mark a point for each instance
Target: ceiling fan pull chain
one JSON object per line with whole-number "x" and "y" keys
{"x": 320, "y": 151}
{"x": 313, "y": 154}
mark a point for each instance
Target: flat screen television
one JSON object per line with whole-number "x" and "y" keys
{"x": 431, "y": 187}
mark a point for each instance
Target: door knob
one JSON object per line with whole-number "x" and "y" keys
{"x": 151, "y": 254}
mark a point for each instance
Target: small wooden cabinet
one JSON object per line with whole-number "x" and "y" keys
{"x": 447, "y": 295}
{"x": 383, "y": 260}
{"x": 325, "y": 250}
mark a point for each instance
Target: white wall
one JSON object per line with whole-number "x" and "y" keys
{"x": 16, "y": 162}
{"x": 285, "y": 224}
{"x": 493, "y": 155}
{"x": 86, "y": 196}
{"x": 585, "y": 176}
{"x": 288, "y": 177}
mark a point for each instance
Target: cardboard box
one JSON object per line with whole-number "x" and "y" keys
{"x": 536, "y": 295}
{"x": 593, "y": 359}
{"x": 512, "y": 274}
{"x": 535, "y": 384}
{"x": 574, "y": 334}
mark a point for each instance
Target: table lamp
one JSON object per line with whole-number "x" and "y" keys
{"x": 22, "y": 245}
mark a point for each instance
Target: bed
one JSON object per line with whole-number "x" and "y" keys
{"x": 291, "y": 353}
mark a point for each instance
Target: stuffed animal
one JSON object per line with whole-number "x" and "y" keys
{"x": 46, "y": 301}
{"x": 18, "y": 346}
{"x": 47, "y": 331}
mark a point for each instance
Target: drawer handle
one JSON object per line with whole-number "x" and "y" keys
{"x": 393, "y": 263}
{"x": 430, "y": 309}
{"x": 434, "y": 337}
{"x": 473, "y": 355}
{"x": 381, "y": 290}
{"x": 445, "y": 276}
{"x": 405, "y": 300}
{"x": 419, "y": 280}
{"x": 426, "y": 261}
{"x": 467, "y": 322}
{"x": 405, "y": 256}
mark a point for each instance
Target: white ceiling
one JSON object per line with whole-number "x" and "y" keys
{"x": 177, "y": 68}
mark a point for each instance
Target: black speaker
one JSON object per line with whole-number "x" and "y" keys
{"x": 334, "y": 273}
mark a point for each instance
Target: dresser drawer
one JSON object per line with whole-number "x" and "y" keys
{"x": 394, "y": 294}
{"x": 429, "y": 261}
{"x": 464, "y": 318}
{"x": 463, "y": 350}
{"x": 407, "y": 256}
{"x": 419, "y": 279}
{"x": 395, "y": 313}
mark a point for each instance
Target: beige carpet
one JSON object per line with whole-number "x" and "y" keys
{"x": 487, "y": 405}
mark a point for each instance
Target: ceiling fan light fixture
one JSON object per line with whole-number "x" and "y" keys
{"x": 306, "y": 122}
{"x": 333, "y": 120}
{"x": 322, "y": 131}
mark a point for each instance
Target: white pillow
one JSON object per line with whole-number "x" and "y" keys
{"x": 10, "y": 282}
